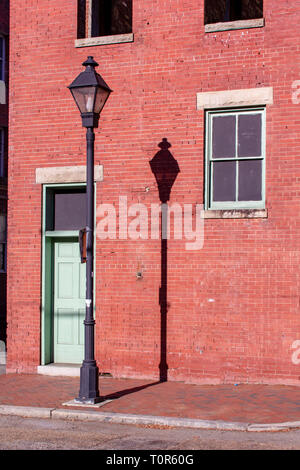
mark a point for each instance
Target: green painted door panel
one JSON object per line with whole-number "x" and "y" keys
{"x": 69, "y": 303}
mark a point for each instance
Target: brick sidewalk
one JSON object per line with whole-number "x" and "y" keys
{"x": 242, "y": 403}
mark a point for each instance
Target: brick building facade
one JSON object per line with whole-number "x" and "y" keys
{"x": 4, "y": 29}
{"x": 221, "y": 85}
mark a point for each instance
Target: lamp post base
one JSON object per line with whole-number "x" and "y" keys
{"x": 92, "y": 401}
{"x": 89, "y": 386}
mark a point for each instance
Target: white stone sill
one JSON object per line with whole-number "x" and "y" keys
{"x": 230, "y": 25}
{"x": 236, "y": 214}
{"x": 230, "y": 98}
{"x": 104, "y": 40}
{"x": 66, "y": 174}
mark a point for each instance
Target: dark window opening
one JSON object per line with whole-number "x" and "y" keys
{"x": 81, "y": 19}
{"x": 111, "y": 17}
{"x": 66, "y": 209}
{"x": 232, "y": 10}
{"x": 103, "y": 17}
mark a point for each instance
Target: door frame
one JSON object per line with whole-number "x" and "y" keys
{"x": 47, "y": 286}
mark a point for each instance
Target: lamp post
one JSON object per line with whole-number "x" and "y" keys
{"x": 90, "y": 93}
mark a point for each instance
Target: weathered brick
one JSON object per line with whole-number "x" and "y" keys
{"x": 233, "y": 310}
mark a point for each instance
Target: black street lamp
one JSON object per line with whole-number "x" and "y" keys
{"x": 90, "y": 93}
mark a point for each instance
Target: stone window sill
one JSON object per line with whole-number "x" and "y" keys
{"x": 236, "y": 214}
{"x": 229, "y": 25}
{"x": 104, "y": 40}
{"x": 66, "y": 174}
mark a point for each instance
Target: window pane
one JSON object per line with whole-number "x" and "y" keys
{"x": 249, "y": 135}
{"x": 81, "y": 19}
{"x": 215, "y": 11}
{"x": 111, "y": 17}
{"x": 232, "y": 10}
{"x": 121, "y": 16}
{"x": 224, "y": 176}
{"x": 246, "y": 9}
{"x": 250, "y": 180}
{"x": 69, "y": 211}
{"x": 223, "y": 137}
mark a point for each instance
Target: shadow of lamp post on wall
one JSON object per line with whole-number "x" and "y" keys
{"x": 165, "y": 169}
{"x": 90, "y": 93}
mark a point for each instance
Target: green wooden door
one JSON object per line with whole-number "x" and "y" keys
{"x": 69, "y": 302}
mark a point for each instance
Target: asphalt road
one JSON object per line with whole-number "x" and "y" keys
{"x": 41, "y": 434}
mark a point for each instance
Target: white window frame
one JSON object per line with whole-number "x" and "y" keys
{"x": 232, "y": 205}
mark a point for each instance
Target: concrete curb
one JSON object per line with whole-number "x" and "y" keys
{"x": 26, "y": 411}
{"x": 274, "y": 426}
{"x": 146, "y": 420}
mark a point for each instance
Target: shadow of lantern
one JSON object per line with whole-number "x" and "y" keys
{"x": 165, "y": 169}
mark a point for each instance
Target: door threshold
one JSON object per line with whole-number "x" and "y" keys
{"x": 59, "y": 369}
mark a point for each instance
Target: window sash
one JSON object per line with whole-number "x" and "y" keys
{"x": 210, "y": 161}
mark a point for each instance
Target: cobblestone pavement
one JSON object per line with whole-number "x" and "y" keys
{"x": 240, "y": 403}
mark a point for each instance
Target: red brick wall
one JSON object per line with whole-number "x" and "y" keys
{"x": 249, "y": 267}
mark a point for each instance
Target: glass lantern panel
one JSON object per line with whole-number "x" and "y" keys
{"x": 84, "y": 98}
{"x": 101, "y": 98}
